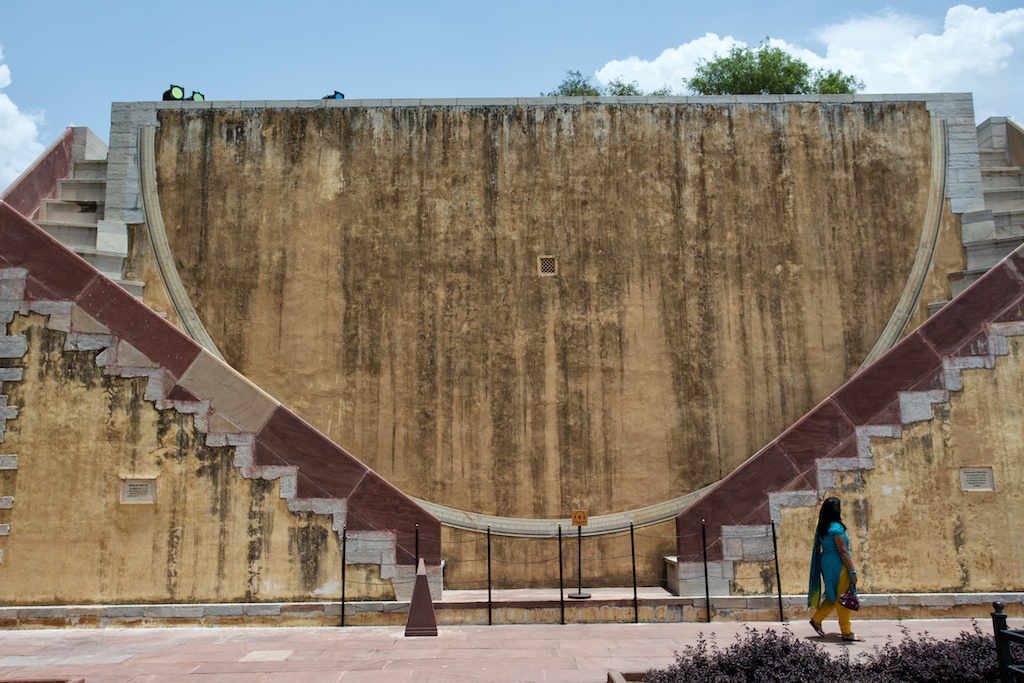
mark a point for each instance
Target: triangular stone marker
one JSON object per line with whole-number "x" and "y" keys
{"x": 421, "y": 610}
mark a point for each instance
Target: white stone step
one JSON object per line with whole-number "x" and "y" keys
{"x": 992, "y": 133}
{"x": 71, "y": 235}
{"x": 89, "y": 170}
{"x": 1009, "y": 199}
{"x": 60, "y": 211}
{"x": 1009, "y": 223}
{"x": 984, "y": 255}
{"x": 958, "y": 282}
{"x": 992, "y": 158}
{"x": 134, "y": 287}
{"x": 82, "y": 190}
{"x": 107, "y": 262}
{"x": 1002, "y": 178}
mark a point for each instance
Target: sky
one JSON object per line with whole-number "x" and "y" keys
{"x": 63, "y": 62}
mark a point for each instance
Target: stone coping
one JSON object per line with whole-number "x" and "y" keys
{"x": 541, "y": 100}
{"x": 607, "y": 606}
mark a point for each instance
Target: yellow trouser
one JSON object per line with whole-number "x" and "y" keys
{"x": 826, "y": 605}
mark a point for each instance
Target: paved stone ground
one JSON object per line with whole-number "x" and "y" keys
{"x": 572, "y": 653}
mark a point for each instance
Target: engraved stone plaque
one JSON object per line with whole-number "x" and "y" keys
{"x": 138, "y": 491}
{"x": 977, "y": 479}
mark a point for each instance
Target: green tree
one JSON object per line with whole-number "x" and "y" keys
{"x": 835, "y": 83}
{"x": 576, "y": 85}
{"x": 766, "y": 70}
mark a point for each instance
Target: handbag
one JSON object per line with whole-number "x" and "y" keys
{"x": 849, "y": 600}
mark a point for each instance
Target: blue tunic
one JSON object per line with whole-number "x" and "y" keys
{"x": 826, "y": 564}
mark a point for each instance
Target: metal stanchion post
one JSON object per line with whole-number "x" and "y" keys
{"x": 704, "y": 542}
{"x": 344, "y": 540}
{"x": 488, "y": 574}
{"x": 778, "y": 579}
{"x": 561, "y": 577}
{"x": 632, "y": 552}
{"x": 579, "y": 594}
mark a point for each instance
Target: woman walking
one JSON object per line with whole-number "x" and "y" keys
{"x": 831, "y": 563}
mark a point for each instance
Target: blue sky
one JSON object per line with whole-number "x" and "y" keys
{"x": 62, "y": 63}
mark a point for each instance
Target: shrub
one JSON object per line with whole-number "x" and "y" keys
{"x": 763, "y": 656}
{"x": 969, "y": 658}
{"x": 768, "y": 656}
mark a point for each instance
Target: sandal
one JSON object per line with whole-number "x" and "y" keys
{"x": 817, "y": 627}
{"x": 852, "y": 638}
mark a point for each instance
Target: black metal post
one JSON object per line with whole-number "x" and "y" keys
{"x": 561, "y": 577}
{"x": 579, "y": 594}
{"x": 632, "y": 552}
{"x": 344, "y": 540}
{"x": 488, "y": 574}
{"x": 707, "y": 589}
{"x": 417, "y": 546}
{"x": 778, "y": 578}
{"x": 1003, "y": 655}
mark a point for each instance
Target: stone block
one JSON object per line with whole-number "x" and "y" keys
{"x": 757, "y": 549}
{"x": 940, "y": 600}
{"x": 122, "y": 611}
{"x": 172, "y": 611}
{"x": 5, "y": 529}
{"x": 11, "y": 374}
{"x": 916, "y": 406}
{"x": 226, "y": 610}
{"x": 13, "y": 347}
{"x": 732, "y": 548}
{"x": 906, "y": 599}
{"x": 761, "y": 602}
{"x": 262, "y": 609}
{"x": 42, "y": 612}
{"x": 6, "y": 502}
{"x": 746, "y": 531}
{"x": 8, "y": 462}
{"x": 695, "y": 588}
{"x": 868, "y": 600}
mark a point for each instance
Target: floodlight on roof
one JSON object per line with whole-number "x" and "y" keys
{"x": 336, "y": 96}
{"x": 175, "y": 92}
{"x": 197, "y": 96}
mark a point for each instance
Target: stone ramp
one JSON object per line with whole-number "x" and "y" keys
{"x": 799, "y": 467}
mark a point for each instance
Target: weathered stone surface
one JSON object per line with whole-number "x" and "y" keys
{"x": 722, "y": 267}
{"x": 211, "y": 536}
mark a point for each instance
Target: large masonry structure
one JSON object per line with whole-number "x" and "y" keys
{"x": 302, "y": 341}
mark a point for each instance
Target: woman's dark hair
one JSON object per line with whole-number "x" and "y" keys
{"x": 831, "y": 511}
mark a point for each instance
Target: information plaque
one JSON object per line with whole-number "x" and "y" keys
{"x": 138, "y": 491}
{"x": 977, "y": 479}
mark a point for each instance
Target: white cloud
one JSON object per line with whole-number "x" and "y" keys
{"x": 894, "y": 52}
{"x": 19, "y": 134}
{"x": 670, "y": 67}
{"x": 975, "y": 51}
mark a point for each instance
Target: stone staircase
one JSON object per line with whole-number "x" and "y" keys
{"x": 76, "y": 219}
{"x": 991, "y": 234}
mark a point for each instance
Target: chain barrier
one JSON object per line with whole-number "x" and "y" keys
{"x": 510, "y": 556}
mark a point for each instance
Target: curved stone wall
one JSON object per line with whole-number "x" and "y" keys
{"x": 720, "y": 269}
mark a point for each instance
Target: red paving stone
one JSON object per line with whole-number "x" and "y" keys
{"x": 514, "y": 654}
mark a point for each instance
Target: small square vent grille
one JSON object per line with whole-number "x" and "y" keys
{"x": 547, "y": 265}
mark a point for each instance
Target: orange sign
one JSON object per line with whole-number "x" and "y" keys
{"x": 579, "y": 517}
